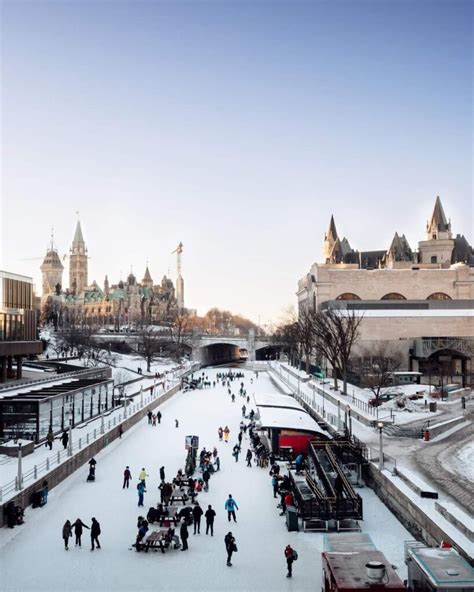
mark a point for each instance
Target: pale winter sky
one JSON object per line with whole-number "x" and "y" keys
{"x": 237, "y": 128}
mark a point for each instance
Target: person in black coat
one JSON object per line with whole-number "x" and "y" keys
{"x": 162, "y": 474}
{"x": 184, "y": 534}
{"x": 210, "y": 515}
{"x": 197, "y": 513}
{"x": 95, "y": 532}
{"x": 205, "y": 477}
{"x": 65, "y": 439}
{"x": 127, "y": 475}
{"x": 78, "y": 526}
{"x": 230, "y": 547}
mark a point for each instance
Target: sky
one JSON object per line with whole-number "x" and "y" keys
{"x": 237, "y": 128}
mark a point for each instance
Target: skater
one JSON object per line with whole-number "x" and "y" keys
{"x": 142, "y": 530}
{"x": 231, "y": 505}
{"x": 120, "y": 431}
{"x": 176, "y": 424}
{"x": 249, "y": 458}
{"x": 218, "y": 463}
{"x": 91, "y": 475}
{"x": 220, "y": 432}
{"x": 153, "y": 420}
{"x": 233, "y": 398}
{"x": 150, "y": 417}
{"x": 210, "y": 515}
{"x": 205, "y": 477}
{"x": 248, "y": 400}
{"x": 230, "y": 547}
{"x": 162, "y": 474}
{"x": 226, "y": 434}
{"x": 127, "y": 475}
{"x": 184, "y": 534}
{"x": 95, "y": 532}
{"x": 67, "y": 532}
{"x": 141, "y": 492}
{"x": 291, "y": 555}
{"x": 275, "y": 485}
{"x": 235, "y": 452}
{"x": 65, "y": 439}
{"x": 244, "y": 409}
{"x": 78, "y": 526}
{"x": 214, "y": 452}
{"x": 158, "y": 416}
{"x": 197, "y": 513}
{"x": 142, "y": 476}
{"x": 239, "y": 438}
{"x": 50, "y": 439}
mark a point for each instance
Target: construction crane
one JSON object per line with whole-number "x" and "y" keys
{"x": 178, "y": 251}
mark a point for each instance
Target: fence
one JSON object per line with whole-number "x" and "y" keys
{"x": 389, "y": 462}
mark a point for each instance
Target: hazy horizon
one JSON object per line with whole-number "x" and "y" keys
{"x": 236, "y": 128}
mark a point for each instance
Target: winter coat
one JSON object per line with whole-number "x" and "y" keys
{"x": 95, "y": 529}
{"x": 141, "y": 488}
{"x": 206, "y": 475}
{"x": 143, "y": 475}
{"x": 183, "y": 531}
{"x": 78, "y": 526}
{"x": 162, "y": 474}
{"x": 127, "y": 474}
{"x": 230, "y": 504}
{"x": 197, "y": 512}
{"x": 50, "y": 437}
{"x": 229, "y": 541}
{"x": 210, "y": 515}
{"x": 67, "y": 531}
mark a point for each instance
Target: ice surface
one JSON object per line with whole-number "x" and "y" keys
{"x": 32, "y": 557}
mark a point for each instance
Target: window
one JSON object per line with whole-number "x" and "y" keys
{"x": 434, "y": 259}
{"x": 393, "y": 296}
{"x": 348, "y": 296}
{"x": 439, "y": 296}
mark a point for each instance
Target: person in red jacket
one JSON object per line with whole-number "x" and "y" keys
{"x": 291, "y": 555}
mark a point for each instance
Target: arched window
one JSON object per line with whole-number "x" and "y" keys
{"x": 393, "y": 296}
{"x": 348, "y": 296}
{"x": 439, "y": 296}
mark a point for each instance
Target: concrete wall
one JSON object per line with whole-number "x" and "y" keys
{"x": 412, "y": 517}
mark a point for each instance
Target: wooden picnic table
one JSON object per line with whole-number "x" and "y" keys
{"x": 156, "y": 540}
{"x": 179, "y": 496}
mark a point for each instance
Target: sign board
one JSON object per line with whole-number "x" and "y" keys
{"x": 191, "y": 442}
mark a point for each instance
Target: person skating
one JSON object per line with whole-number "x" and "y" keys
{"x": 65, "y": 439}
{"x": 244, "y": 409}
{"x": 158, "y": 416}
{"x": 291, "y": 555}
{"x": 249, "y": 458}
{"x": 239, "y": 438}
{"x": 127, "y": 475}
{"x": 141, "y": 492}
{"x": 235, "y": 452}
{"x": 142, "y": 530}
{"x": 197, "y": 513}
{"x": 210, "y": 515}
{"x": 176, "y": 424}
{"x": 184, "y": 534}
{"x": 67, "y": 532}
{"x": 150, "y": 417}
{"x": 231, "y": 505}
{"x": 142, "y": 476}
{"x": 275, "y": 485}
{"x": 95, "y": 532}
{"x": 230, "y": 546}
{"x": 78, "y": 526}
{"x": 50, "y": 439}
{"x": 162, "y": 474}
{"x": 220, "y": 433}
{"x": 226, "y": 434}
{"x": 206, "y": 475}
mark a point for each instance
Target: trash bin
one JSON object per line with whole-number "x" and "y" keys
{"x": 433, "y": 406}
{"x": 292, "y": 518}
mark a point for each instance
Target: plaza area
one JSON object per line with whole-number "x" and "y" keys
{"x": 32, "y": 556}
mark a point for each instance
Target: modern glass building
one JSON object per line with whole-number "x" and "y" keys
{"x": 57, "y": 404}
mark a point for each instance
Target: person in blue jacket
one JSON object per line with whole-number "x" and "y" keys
{"x": 299, "y": 462}
{"x": 141, "y": 492}
{"x": 231, "y": 505}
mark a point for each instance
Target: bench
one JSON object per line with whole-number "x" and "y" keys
{"x": 155, "y": 541}
{"x": 179, "y": 497}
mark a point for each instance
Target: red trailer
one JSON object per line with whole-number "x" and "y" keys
{"x": 360, "y": 570}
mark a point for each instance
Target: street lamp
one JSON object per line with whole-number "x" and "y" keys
{"x": 20, "y": 474}
{"x": 380, "y": 425}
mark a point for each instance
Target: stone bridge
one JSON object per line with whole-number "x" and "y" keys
{"x": 216, "y": 349}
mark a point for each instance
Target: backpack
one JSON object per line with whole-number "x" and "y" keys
{"x": 295, "y": 555}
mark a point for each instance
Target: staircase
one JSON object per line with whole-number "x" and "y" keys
{"x": 408, "y": 431}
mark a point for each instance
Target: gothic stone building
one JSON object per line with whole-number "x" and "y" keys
{"x": 117, "y": 304}
{"x": 421, "y": 300}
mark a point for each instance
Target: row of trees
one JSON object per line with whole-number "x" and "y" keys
{"x": 330, "y": 336}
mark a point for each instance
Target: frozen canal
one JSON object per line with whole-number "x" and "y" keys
{"x": 32, "y": 556}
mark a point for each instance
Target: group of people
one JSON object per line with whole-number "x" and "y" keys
{"x": 153, "y": 418}
{"x": 78, "y": 527}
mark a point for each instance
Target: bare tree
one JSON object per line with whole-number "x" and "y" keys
{"x": 305, "y": 336}
{"x": 148, "y": 346}
{"x": 180, "y": 333}
{"x": 335, "y": 332}
{"x": 381, "y": 361}
{"x": 287, "y": 335}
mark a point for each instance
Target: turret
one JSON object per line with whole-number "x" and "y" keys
{"x": 78, "y": 262}
{"x": 330, "y": 239}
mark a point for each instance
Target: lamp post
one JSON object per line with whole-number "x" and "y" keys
{"x": 20, "y": 474}
{"x": 324, "y": 399}
{"x": 380, "y": 426}
{"x": 102, "y": 427}
{"x": 141, "y": 396}
{"x": 122, "y": 389}
{"x": 69, "y": 448}
{"x": 338, "y": 415}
